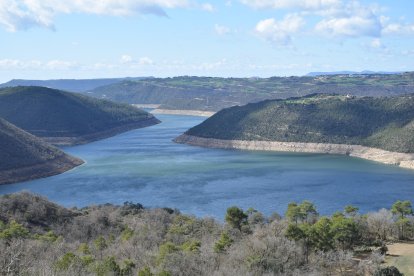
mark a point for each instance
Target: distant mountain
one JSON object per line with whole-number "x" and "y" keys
{"x": 68, "y": 118}
{"x": 385, "y": 123}
{"x": 366, "y": 72}
{"x": 73, "y": 85}
{"x": 214, "y": 94}
{"x": 25, "y": 157}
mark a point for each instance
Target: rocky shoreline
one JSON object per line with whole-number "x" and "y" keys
{"x": 183, "y": 112}
{"x": 404, "y": 160}
{"x": 79, "y": 140}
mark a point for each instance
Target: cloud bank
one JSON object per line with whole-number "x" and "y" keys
{"x": 23, "y": 14}
{"x": 333, "y": 18}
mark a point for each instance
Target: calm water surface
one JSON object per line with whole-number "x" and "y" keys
{"x": 145, "y": 166}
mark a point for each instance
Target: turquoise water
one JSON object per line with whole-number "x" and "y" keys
{"x": 145, "y": 166}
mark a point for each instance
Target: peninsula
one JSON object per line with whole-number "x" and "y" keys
{"x": 26, "y": 157}
{"x": 378, "y": 129}
{"x": 64, "y": 118}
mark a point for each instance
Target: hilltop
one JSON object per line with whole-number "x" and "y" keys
{"x": 68, "y": 118}
{"x": 365, "y": 72}
{"x": 73, "y": 85}
{"x": 385, "y": 123}
{"x": 25, "y": 157}
{"x": 214, "y": 94}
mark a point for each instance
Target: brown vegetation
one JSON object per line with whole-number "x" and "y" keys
{"x": 38, "y": 237}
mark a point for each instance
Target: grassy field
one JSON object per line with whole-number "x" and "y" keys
{"x": 401, "y": 255}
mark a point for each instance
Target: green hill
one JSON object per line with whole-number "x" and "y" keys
{"x": 214, "y": 94}
{"x": 68, "y": 118}
{"x": 25, "y": 157}
{"x": 385, "y": 123}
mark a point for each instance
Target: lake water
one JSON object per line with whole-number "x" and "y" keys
{"x": 145, "y": 166}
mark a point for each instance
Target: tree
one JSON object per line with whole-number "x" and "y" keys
{"x": 166, "y": 249}
{"x": 255, "y": 217}
{"x": 345, "y": 232}
{"x": 303, "y": 212}
{"x": 380, "y": 223}
{"x": 293, "y": 212}
{"x": 191, "y": 246}
{"x": 100, "y": 244}
{"x": 108, "y": 266}
{"x": 64, "y": 262}
{"x": 223, "y": 243}
{"x": 307, "y": 211}
{"x": 322, "y": 235}
{"x": 402, "y": 209}
{"x": 351, "y": 210}
{"x": 146, "y": 271}
{"x": 301, "y": 233}
{"x": 235, "y": 217}
{"x": 14, "y": 230}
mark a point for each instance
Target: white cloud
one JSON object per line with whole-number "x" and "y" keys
{"x": 61, "y": 65}
{"x": 377, "y": 44}
{"x": 279, "y": 32}
{"x": 208, "y": 66}
{"x": 16, "y": 64}
{"x": 129, "y": 60}
{"x": 126, "y": 59}
{"x": 398, "y": 29}
{"x": 221, "y": 30}
{"x": 337, "y": 18}
{"x": 288, "y": 4}
{"x": 23, "y": 14}
{"x": 207, "y": 7}
{"x": 145, "y": 61}
{"x": 353, "y": 26}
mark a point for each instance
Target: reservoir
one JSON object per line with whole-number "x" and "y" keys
{"x": 145, "y": 166}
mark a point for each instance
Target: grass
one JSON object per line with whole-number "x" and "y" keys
{"x": 401, "y": 255}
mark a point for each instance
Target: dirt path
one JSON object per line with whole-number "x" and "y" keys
{"x": 401, "y": 255}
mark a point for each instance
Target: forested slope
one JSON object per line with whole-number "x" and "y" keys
{"x": 385, "y": 123}
{"x": 68, "y": 118}
{"x": 133, "y": 240}
{"x": 25, "y": 157}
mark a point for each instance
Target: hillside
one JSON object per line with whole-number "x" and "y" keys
{"x": 25, "y": 157}
{"x": 68, "y": 118}
{"x": 385, "y": 123}
{"x": 213, "y": 94}
{"x": 133, "y": 240}
{"x": 73, "y": 85}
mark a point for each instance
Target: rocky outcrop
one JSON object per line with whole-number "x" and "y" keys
{"x": 404, "y": 160}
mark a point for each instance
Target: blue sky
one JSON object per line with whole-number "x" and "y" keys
{"x": 44, "y": 39}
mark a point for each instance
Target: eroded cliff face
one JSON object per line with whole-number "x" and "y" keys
{"x": 404, "y": 160}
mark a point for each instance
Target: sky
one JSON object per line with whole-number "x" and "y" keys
{"x": 53, "y": 39}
